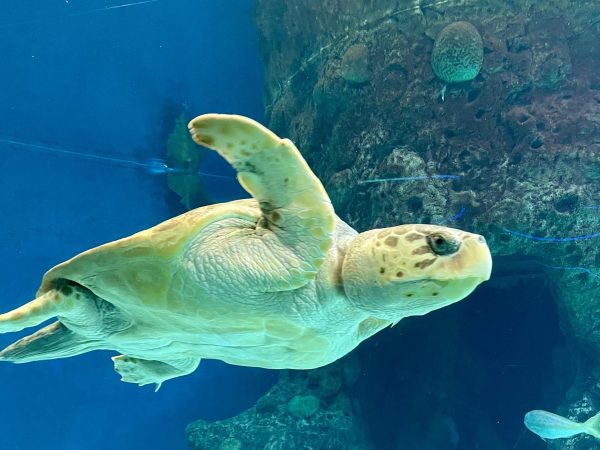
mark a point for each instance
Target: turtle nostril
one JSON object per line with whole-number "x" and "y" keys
{"x": 481, "y": 239}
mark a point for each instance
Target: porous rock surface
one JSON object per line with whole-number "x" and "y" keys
{"x": 304, "y": 410}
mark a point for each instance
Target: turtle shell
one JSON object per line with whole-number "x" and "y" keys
{"x": 138, "y": 269}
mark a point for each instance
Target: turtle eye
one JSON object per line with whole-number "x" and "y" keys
{"x": 442, "y": 245}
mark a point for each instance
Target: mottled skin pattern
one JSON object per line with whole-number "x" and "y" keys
{"x": 277, "y": 281}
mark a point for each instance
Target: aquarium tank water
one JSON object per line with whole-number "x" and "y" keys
{"x": 268, "y": 224}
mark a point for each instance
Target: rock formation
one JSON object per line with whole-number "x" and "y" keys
{"x": 303, "y": 410}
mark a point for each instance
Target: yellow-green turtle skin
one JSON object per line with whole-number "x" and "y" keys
{"x": 275, "y": 281}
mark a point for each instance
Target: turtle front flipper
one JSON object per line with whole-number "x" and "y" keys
{"x": 144, "y": 371}
{"x": 51, "y": 342}
{"x": 292, "y": 200}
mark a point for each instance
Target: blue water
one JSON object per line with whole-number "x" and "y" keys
{"x": 108, "y": 82}
{"x": 89, "y": 92}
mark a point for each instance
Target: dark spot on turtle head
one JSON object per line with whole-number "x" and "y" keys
{"x": 399, "y": 274}
{"x": 435, "y": 294}
{"x": 382, "y": 270}
{"x": 285, "y": 180}
{"x": 425, "y": 263}
{"x": 385, "y": 233}
{"x": 410, "y": 295}
{"x": 421, "y": 250}
{"x": 391, "y": 241}
{"x": 413, "y": 237}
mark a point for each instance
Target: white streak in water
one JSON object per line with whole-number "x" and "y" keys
{"x": 154, "y": 166}
{"x": 80, "y": 13}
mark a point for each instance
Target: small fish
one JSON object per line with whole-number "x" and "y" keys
{"x": 552, "y": 426}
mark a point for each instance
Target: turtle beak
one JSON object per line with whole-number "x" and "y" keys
{"x": 481, "y": 258}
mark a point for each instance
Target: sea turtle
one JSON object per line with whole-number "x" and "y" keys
{"x": 276, "y": 281}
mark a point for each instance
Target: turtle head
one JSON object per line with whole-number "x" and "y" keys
{"x": 410, "y": 270}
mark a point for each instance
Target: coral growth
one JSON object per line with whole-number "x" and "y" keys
{"x": 457, "y": 53}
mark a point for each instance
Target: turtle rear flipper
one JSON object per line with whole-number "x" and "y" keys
{"x": 35, "y": 312}
{"x": 76, "y": 306}
{"x": 51, "y": 342}
{"x": 85, "y": 322}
